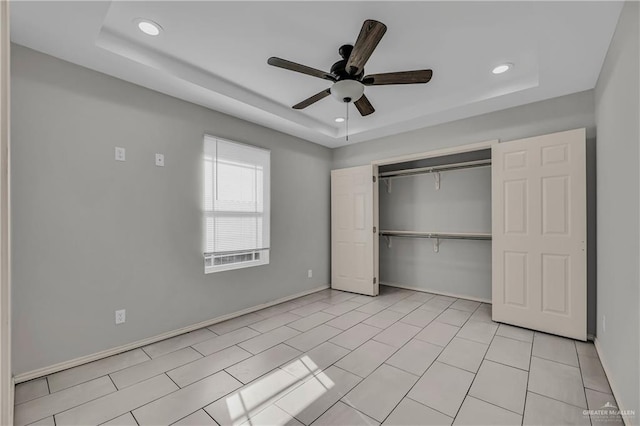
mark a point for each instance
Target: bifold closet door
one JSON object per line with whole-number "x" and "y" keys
{"x": 539, "y": 233}
{"x": 354, "y": 234}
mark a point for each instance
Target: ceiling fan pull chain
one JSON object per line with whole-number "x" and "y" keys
{"x": 347, "y": 122}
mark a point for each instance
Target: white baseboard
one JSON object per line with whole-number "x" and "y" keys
{"x": 45, "y": 371}
{"x": 627, "y": 419}
{"x": 441, "y": 293}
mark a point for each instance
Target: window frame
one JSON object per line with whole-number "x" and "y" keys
{"x": 263, "y": 252}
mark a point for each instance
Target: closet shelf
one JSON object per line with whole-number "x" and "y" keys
{"x": 436, "y": 169}
{"x": 439, "y": 235}
{"x": 436, "y": 236}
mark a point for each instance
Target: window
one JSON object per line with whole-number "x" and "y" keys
{"x": 236, "y": 205}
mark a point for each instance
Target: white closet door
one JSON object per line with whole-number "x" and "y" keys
{"x": 539, "y": 233}
{"x": 353, "y": 239}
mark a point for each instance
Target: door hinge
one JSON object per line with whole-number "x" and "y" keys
{"x": 374, "y": 179}
{"x": 374, "y": 229}
{"x": 374, "y": 280}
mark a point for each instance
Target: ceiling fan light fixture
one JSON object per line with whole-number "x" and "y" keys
{"x": 502, "y": 68}
{"x": 148, "y": 27}
{"x": 347, "y": 90}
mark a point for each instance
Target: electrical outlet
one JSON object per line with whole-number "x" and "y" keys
{"x": 160, "y": 160}
{"x": 310, "y": 273}
{"x": 121, "y": 316}
{"x": 120, "y": 153}
{"x": 604, "y": 323}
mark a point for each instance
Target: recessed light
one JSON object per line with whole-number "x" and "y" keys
{"x": 502, "y": 68}
{"x": 148, "y": 27}
{"x": 339, "y": 120}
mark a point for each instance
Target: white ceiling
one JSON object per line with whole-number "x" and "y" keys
{"x": 214, "y": 54}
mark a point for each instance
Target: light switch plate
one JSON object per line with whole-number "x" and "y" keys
{"x": 160, "y": 160}
{"x": 120, "y": 154}
{"x": 121, "y": 316}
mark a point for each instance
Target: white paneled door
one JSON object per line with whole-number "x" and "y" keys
{"x": 354, "y": 235}
{"x": 539, "y": 233}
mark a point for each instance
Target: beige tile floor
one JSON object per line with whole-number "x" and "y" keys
{"x": 335, "y": 358}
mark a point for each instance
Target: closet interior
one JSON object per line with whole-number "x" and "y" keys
{"x": 435, "y": 224}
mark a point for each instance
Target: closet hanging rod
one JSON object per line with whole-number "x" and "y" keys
{"x": 438, "y": 235}
{"x": 436, "y": 169}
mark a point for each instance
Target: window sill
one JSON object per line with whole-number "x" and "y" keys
{"x": 232, "y": 266}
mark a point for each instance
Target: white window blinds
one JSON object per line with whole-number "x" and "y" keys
{"x": 236, "y": 204}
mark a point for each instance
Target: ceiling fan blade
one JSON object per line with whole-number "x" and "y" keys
{"x": 292, "y": 66}
{"x": 402, "y": 77}
{"x": 369, "y": 37}
{"x": 313, "y": 99}
{"x": 364, "y": 106}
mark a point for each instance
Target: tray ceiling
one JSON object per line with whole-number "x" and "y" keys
{"x": 215, "y": 54}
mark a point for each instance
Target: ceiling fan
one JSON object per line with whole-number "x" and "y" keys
{"x": 348, "y": 75}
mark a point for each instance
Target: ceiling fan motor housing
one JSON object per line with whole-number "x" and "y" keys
{"x": 339, "y": 69}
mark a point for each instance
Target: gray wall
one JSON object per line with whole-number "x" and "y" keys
{"x": 553, "y": 115}
{"x": 92, "y": 235}
{"x": 463, "y": 204}
{"x": 617, "y": 97}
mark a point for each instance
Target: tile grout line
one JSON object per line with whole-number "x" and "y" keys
{"x": 557, "y": 400}
{"x": 209, "y": 415}
{"x": 496, "y": 405}
{"x": 134, "y": 417}
{"x": 114, "y": 383}
{"x": 526, "y": 389}
{"x": 556, "y": 361}
{"x": 262, "y": 334}
{"x": 235, "y": 344}
{"x": 174, "y": 382}
{"x": 191, "y": 414}
{"x": 584, "y": 390}
{"x": 177, "y": 349}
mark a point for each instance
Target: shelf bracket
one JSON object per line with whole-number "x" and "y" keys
{"x": 388, "y": 238}
{"x": 387, "y": 183}
{"x": 436, "y": 176}
{"x": 436, "y": 245}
